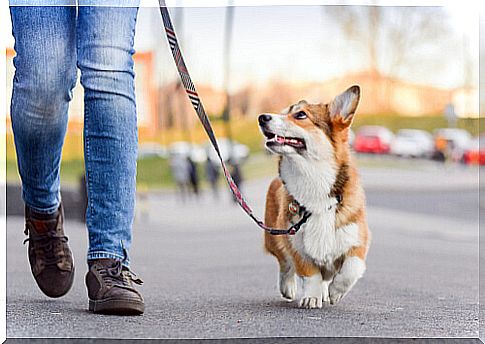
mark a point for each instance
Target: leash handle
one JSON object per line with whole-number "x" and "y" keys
{"x": 204, "y": 119}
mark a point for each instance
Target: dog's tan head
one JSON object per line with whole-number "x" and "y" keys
{"x": 311, "y": 130}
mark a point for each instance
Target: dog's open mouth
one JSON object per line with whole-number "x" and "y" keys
{"x": 273, "y": 139}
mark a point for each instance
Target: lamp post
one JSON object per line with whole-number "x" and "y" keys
{"x": 226, "y": 114}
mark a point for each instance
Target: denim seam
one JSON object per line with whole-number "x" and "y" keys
{"x": 87, "y": 166}
{"x": 86, "y": 145}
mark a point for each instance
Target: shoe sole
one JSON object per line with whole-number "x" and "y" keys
{"x": 117, "y": 307}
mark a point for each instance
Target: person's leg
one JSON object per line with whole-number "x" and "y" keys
{"x": 105, "y": 49}
{"x": 45, "y": 73}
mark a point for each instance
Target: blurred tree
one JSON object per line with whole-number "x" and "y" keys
{"x": 391, "y": 37}
{"x": 396, "y": 40}
{"x": 241, "y": 100}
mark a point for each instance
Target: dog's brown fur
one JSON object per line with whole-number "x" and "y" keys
{"x": 352, "y": 208}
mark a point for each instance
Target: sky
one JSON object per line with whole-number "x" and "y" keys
{"x": 296, "y": 44}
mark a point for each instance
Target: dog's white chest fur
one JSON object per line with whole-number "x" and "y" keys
{"x": 318, "y": 239}
{"x": 321, "y": 242}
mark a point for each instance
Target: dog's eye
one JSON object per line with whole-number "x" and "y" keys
{"x": 300, "y": 115}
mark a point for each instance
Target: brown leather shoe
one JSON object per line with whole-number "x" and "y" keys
{"x": 110, "y": 288}
{"x": 50, "y": 258}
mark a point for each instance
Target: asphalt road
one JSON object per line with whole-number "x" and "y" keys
{"x": 206, "y": 275}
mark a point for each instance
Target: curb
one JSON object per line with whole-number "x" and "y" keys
{"x": 74, "y": 203}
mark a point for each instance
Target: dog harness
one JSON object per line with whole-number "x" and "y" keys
{"x": 296, "y": 210}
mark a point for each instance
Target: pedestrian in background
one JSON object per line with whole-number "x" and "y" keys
{"x": 51, "y": 44}
{"x": 212, "y": 174}
{"x": 179, "y": 166}
{"x": 193, "y": 176}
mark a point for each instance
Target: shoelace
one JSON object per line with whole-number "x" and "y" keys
{"x": 48, "y": 247}
{"x": 119, "y": 273}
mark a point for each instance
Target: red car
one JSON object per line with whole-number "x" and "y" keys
{"x": 373, "y": 139}
{"x": 475, "y": 154}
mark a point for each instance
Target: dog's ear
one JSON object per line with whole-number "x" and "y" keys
{"x": 343, "y": 107}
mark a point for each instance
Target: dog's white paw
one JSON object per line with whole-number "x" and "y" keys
{"x": 352, "y": 269}
{"x": 325, "y": 293}
{"x": 335, "y": 294}
{"x": 310, "y": 302}
{"x": 312, "y": 292}
{"x": 288, "y": 285}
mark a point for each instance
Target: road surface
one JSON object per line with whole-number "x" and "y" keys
{"x": 207, "y": 276}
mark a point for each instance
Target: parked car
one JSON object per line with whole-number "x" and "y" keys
{"x": 373, "y": 139}
{"x": 412, "y": 143}
{"x": 459, "y": 137}
{"x": 457, "y": 141}
{"x": 475, "y": 153}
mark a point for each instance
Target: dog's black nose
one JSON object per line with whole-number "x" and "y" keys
{"x": 262, "y": 119}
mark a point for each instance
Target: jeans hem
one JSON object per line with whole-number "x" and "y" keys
{"x": 50, "y": 210}
{"x": 111, "y": 255}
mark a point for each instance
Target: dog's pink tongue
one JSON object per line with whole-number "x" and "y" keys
{"x": 280, "y": 139}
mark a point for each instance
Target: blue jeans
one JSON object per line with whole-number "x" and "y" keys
{"x": 51, "y": 43}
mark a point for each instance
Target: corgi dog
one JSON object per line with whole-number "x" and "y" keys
{"x": 316, "y": 175}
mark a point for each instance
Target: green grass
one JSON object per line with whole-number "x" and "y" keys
{"x": 155, "y": 173}
{"x": 71, "y": 171}
{"x": 259, "y": 166}
{"x": 151, "y": 172}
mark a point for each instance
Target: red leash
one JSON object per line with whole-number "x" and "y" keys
{"x": 204, "y": 119}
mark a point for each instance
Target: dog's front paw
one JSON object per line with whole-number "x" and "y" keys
{"x": 311, "y": 302}
{"x": 288, "y": 286}
{"x": 335, "y": 293}
{"x": 312, "y": 292}
{"x": 352, "y": 269}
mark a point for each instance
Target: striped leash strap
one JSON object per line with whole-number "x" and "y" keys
{"x": 204, "y": 119}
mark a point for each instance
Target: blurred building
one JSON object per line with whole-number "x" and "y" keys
{"x": 466, "y": 102}
{"x": 165, "y": 106}
{"x": 145, "y": 95}
{"x": 380, "y": 95}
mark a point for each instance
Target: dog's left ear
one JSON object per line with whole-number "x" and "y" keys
{"x": 343, "y": 107}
